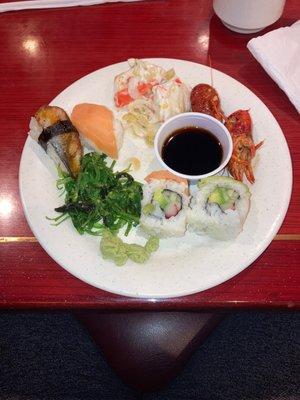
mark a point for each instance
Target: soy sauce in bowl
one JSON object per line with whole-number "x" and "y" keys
{"x": 192, "y": 151}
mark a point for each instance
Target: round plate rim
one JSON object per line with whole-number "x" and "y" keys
{"x": 273, "y": 231}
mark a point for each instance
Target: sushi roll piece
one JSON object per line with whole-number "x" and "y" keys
{"x": 53, "y": 130}
{"x": 98, "y": 128}
{"x": 219, "y": 208}
{"x": 164, "y": 204}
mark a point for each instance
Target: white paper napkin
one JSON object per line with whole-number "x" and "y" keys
{"x": 33, "y": 4}
{"x": 278, "y": 52}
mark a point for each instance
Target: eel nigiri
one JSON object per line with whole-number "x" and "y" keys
{"x": 98, "y": 128}
{"x": 53, "y": 130}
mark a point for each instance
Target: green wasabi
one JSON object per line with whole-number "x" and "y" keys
{"x": 152, "y": 244}
{"x": 114, "y": 249}
{"x": 137, "y": 253}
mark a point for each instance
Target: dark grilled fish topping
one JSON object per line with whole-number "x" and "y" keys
{"x": 59, "y": 138}
{"x": 54, "y": 130}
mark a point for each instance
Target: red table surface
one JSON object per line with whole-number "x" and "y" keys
{"x": 44, "y": 51}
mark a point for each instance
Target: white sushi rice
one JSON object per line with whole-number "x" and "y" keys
{"x": 156, "y": 224}
{"x": 34, "y": 132}
{"x": 119, "y": 133}
{"x": 35, "y": 129}
{"x": 209, "y": 219}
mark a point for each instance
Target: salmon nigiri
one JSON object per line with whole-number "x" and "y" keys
{"x": 98, "y": 127}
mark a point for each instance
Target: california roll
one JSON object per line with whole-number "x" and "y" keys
{"x": 219, "y": 208}
{"x": 164, "y": 205}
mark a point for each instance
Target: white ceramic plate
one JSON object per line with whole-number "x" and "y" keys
{"x": 180, "y": 266}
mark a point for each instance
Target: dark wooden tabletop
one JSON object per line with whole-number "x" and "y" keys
{"x": 44, "y": 51}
